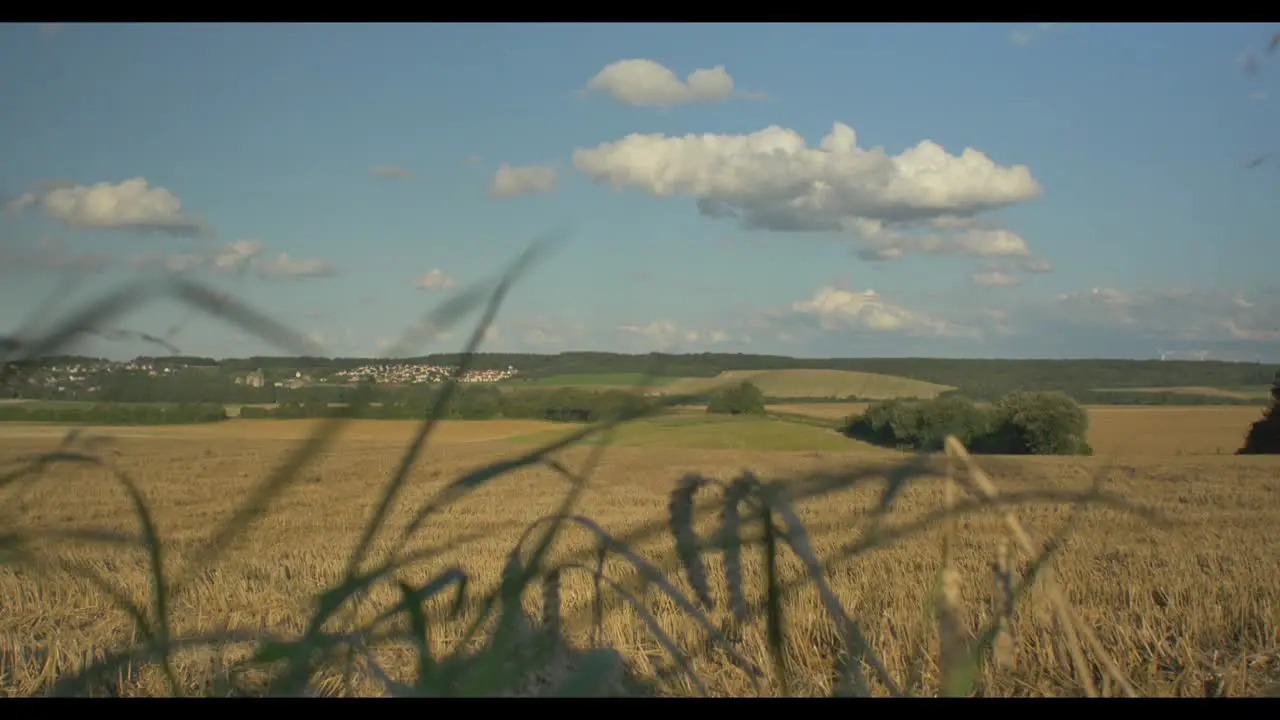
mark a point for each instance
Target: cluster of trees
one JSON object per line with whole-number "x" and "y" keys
{"x": 114, "y": 414}
{"x": 1264, "y": 435}
{"x": 1020, "y": 423}
{"x": 479, "y": 402}
{"x": 743, "y": 399}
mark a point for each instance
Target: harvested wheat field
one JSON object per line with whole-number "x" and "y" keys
{"x": 1156, "y": 431}
{"x": 1188, "y": 607}
{"x": 1122, "y": 430}
{"x": 448, "y": 432}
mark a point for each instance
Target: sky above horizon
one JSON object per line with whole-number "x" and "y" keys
{"x": 951, "y": 190}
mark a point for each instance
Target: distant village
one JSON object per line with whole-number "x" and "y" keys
{"x": 82, "y": 375}
{"x": 403, "y": 374}
{"x": 385, "y": 374}
{"x": 86, "y": 376}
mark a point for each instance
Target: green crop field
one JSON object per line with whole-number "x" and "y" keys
{"x": 716, "y": 433}
{"x": 595, "y": 381}
{"x": 815, "y": 384}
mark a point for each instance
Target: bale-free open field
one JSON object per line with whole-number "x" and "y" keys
{"x": 1181, "y": 607}
{"x": 448, "y": 432}
{"x": 813, "y": 383}
{"x": 1169, "y": 431}
{"x": 1253, "y": 393}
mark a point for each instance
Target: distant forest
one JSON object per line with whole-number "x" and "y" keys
{"x": 980, "y": 379}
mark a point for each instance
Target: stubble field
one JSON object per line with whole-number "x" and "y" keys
{"x": 1187, "y": 607}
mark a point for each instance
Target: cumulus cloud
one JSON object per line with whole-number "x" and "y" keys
{"x": 523, "y": 180}
{"x": 879, "y": 242}
{"x": 1173, "y": 314}
{"x": 231, "y": 257}
{"x": 235, "y": 255}
{"x": 921, "y": 200}
{"x": 645, "y": 83}
{"x": 434, "y": 279}
{"x": 129, "y": 205}
{"x": 390, "y": 172}
{"x": 665, "y": 334}
{"x": 868, "y": 311}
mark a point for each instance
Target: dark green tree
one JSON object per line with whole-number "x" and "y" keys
{"x": 742, "y": 399}
{"x": 1264, "y": 435}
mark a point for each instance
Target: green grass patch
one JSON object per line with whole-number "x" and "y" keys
{"x": 713, "y": 433}
{"x": 592, "y": 380}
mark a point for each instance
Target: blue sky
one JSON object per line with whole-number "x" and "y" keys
{"x": 950, "y": 190}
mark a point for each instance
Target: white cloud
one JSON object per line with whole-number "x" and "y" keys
{"x": 837, "y": 309}
{"x": 773, "y": 180}
{"x": 434, "y": 279}
{"x": 523, "y": 180}
{"x": 645, "y": 83}
{"x": 390, "y": 172}
{"x": 231, "y": 257}
{"x": 665, "y": 334}
{"x": 1174, "y": 314}
{"x": 1028, "y": 35}
{"x": 129, "y": 205}
{"x": 995, "y": 278}
{"x": 235, "y": 255}
{"x": 283, "y": 266}
{"x": 880, "y": 242}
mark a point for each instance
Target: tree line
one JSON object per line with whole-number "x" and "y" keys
{"x": 209, "y": 380}
{"x": 114, "y": 414}
{"x": 1020, "y": 423}
{"x": 477, "y": 402}
{"x": 1263, "y": 437}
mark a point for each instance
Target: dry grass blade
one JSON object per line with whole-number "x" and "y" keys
{"x": 680, "y": 512}
{"x": 730, "y": 526}
{"x": 287, "y": 472}
{"x": 397, "y": 480}
{"x": 1070, "y": 622}
{"x": 551, "y": 603}
{"x": 411, "y": 602}
{"x": 253, "y": 321}
{"x": 855, "y": 642}
{"x": 92, "y": 315}
{"x": 964, "y": 674}
{"x": 1002, "y": 649}
{"x": 775, "y": 633}
{"x": 158, "y": 634}
{"x": 650, "y": 575}
{"x": 651, "y": 623}
{"x": 952, "y": 639}
{"x": 460, "y": 487}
